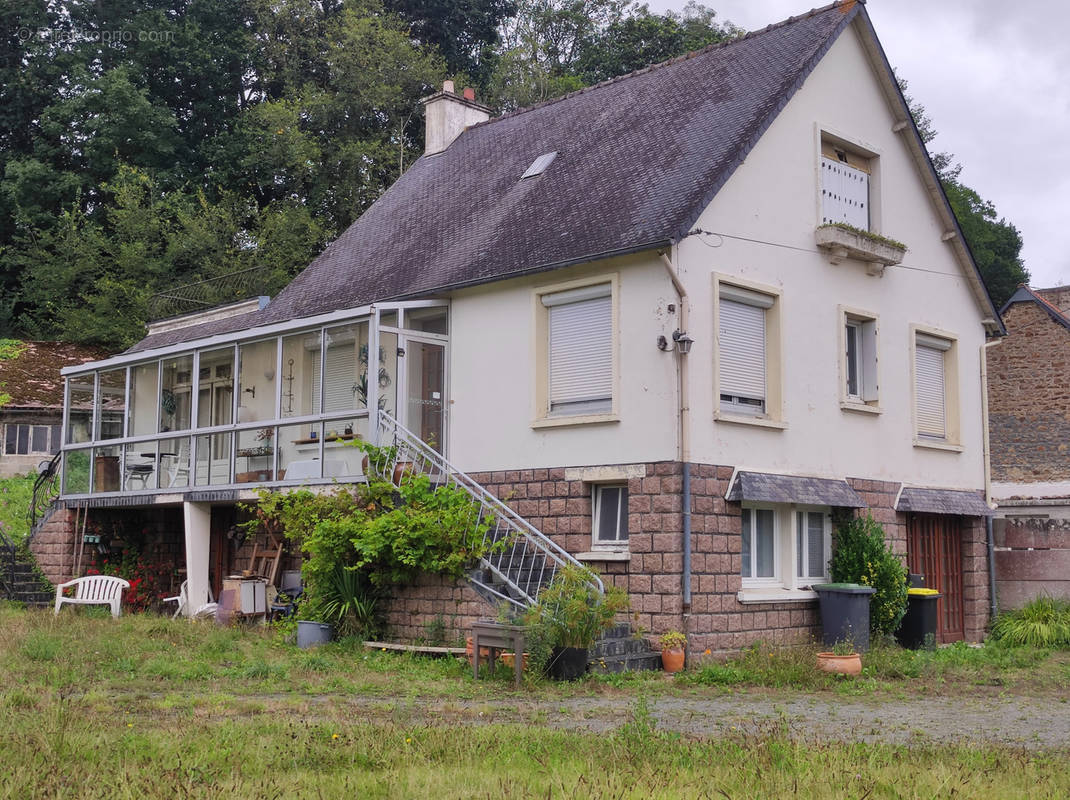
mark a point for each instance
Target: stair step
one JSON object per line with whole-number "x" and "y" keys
{"x": 634, "y": 662}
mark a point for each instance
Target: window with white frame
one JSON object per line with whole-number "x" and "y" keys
{"x": 22, "y": 439}
{"x": 931, "y": 354}
{"x": 610, "y": 519}
{"x": 812, "y": 536}
{"x": 743, "y": 350}
{"x": 859, "y": 358}
{"x": 580, "y": 350}
{"x": 845, "y": 186}
{"x": 784, "y": 546}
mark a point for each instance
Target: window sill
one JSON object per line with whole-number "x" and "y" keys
{"x": 847, "y": 405}
{"x": 579, "y": 419}
{"x": 604, "y": 555}
{"x": 771, "y": 595}
{"x": 934, "y": 445}
{"x": 742, "y": 419}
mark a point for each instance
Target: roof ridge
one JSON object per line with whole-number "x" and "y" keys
{"x": 1036, "y": 293}
{"x": 847, "y": 5}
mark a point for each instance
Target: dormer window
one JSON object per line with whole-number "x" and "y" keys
{"x": 845, "y": 186}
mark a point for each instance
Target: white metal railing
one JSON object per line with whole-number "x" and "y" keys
{"x": 528, "y": 559}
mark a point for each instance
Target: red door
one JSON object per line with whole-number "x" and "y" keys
{"x": 934, "y": 549}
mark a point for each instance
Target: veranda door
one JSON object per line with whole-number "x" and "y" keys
{"x": 425, "y": 390}
{"x": 934, "y": 549}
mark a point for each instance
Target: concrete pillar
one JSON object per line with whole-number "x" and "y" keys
{"x": 198, "y": 520}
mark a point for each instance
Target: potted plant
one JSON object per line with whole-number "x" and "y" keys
{"x": 571, "y": 615}
{"x": 843, "y": 659}
{"x": 672, "y": 651}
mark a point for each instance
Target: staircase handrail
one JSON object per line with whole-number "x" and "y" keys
{"x": 390, "y": 430}
{"x": 8, "y": 561}
{"x": 44, "y": 488}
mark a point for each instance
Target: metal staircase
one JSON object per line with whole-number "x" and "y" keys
{"x": 524, "y": 560}
{"x": 19, "y": 580}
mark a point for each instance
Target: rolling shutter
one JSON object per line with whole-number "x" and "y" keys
{"x": 929, "y": 390}
{"x": 581, "y": 350}
{"x": 844, "y": 194}
{"x": 742, "y": 349}
{"x": 340, "y": 391}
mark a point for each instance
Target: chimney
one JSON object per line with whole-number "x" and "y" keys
{"x": 447, "y": 114}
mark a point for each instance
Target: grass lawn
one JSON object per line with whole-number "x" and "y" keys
{"x": 146, "y": 707}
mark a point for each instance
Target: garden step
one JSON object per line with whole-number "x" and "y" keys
{"x": 633, "y": 662}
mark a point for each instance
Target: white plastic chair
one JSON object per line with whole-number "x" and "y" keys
{"x": 182, "y": 598}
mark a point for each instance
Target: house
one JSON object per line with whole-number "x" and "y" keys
{"x": 682, "y": 320}
{"x": 1029, "y": 418}
{"x": 31, "y": 421}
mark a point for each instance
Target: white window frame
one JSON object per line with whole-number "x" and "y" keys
{"x": 938, "y": 341}
{"x": 544, "y": 299}
{"x": 597, "y": 509}
{"x": 867, "y": 360}
{"x": 786, "y": 583}
{"x": 776, "y": 578}
{"x": 806, "y": 581}
{"x": 733, "y": 409}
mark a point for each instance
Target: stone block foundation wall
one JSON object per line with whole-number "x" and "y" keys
{"x": 561, "y": 508}
{"x": 157, "y": 533}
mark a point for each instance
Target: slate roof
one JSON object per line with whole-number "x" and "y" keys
{"x": 1045, "y": 298}
{"x": 943, "y": 501}
{"x": 33, "y": 379}
{"x": 639, "y": 158}
{"x": 765, "y": 487}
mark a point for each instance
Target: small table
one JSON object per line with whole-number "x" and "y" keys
{"x": 495, "y": 636}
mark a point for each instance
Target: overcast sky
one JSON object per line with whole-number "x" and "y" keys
{"x": 995, "y": 79}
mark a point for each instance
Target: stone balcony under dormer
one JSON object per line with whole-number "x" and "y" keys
{"x": 876, "y": 252}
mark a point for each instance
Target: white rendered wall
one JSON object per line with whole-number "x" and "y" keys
{"x": 492, "y": 376}
{"x": 774, "y": 197}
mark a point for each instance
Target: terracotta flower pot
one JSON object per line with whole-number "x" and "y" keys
{"x": 484, "y": 652}
{"x": 672, "y": 660}
{"x": 507, "y": 660}
{"x": 401, "y": 469}
{"x": 843, "y": 665}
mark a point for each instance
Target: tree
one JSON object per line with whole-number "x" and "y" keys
{"x": 555, "y": 46}
{"x": 465, "y": 32}
{"x": 995, "y": 243}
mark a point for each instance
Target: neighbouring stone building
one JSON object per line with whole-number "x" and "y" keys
{"x": 1029, "y": 424}
{"x": 31, "y": 421}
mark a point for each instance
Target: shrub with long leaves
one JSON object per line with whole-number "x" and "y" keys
{"x": 1044, "y": 622}
{"x": 862, "y": 556}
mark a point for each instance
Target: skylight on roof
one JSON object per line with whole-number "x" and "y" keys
{"x": 539, "y": 165}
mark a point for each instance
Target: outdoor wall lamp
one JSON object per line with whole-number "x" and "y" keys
{"x": 683, "y": 342}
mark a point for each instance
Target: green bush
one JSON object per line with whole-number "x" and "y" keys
{"x": 862, "y": 556}
{"x": 570, "y": 610}
{"x": 1044, "y": 622}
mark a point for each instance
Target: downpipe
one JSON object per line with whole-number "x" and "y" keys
{"x": 684, "y": 456}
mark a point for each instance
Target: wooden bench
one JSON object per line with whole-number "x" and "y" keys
{"x": 100, "y": 590}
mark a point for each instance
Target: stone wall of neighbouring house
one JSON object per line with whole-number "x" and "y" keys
{"x": 1032, "y": 557}
{"x": 1029, "y": 398}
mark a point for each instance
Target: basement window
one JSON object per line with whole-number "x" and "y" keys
{"x": 539, "y": 165}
